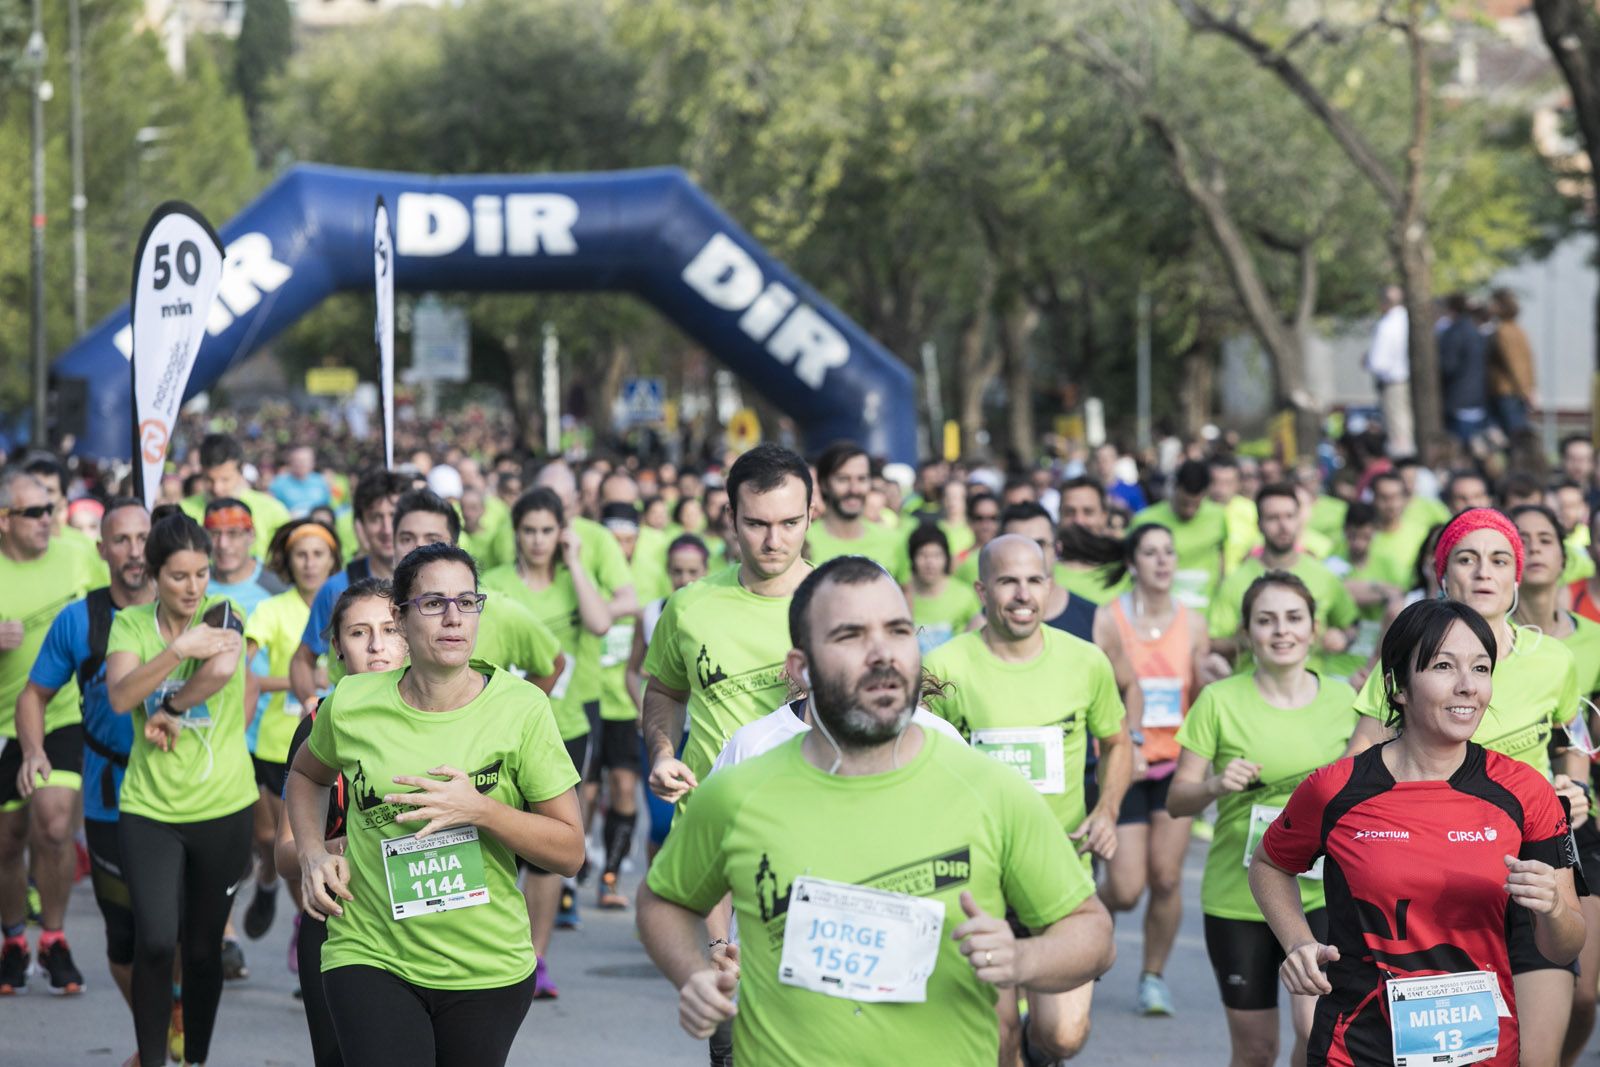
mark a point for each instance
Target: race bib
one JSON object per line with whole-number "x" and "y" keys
{"x": 197, "y": 716}
{"x": 1192, "y": 588}
{"x": 1261, "y": 816}
{"x": 442, "y": 872}
{"x": 618, "y": 644}
{"x": 1034, "y": 752}
{"x": 564, "y": 679}
{"x": 1445, "y": 1019}
{"x": 1163, "y": 702}
{"x": 860, "y": 944}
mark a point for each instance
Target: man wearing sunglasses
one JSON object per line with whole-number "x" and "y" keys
{"x": 41, "y": 575}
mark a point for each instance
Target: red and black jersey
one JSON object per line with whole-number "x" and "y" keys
{"x": 1415, "y": 878}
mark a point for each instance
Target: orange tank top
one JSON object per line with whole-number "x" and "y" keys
{"x": 1164, "y": 667}
{"x": 1582, "y": 602}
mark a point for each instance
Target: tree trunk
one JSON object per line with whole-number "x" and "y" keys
{"x": 1198, "y": 386}
{"x": 1571, "y": 29}
{"x": 618, "y": 359}
{"x": 977, "y": 363}
{"x": 525, "y": 409}
{"x": 1017, "y": 329}
{"x": 1283, "y": 342}
{"x": 1402, "y": 195}
{"x": 1413, "y": 251}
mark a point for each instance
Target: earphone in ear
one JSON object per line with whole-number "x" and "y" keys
{"x": 805, "y": 677}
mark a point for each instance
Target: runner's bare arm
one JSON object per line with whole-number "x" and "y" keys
{"x": 323, "y": 876}
{"x": 664, "y": 712}
{"x": 30, "y": 736}
{"x": 634, "y": 673}
{"x": 1278, "y": 895}
{"x": 1071, "y": 951}
{"x": 303, "y": 674}
{"x": 548, "y": 681}
{"x": 129, "y": 681}
{"x": 1369, "y": 732}
{"x": 671, "y": 935}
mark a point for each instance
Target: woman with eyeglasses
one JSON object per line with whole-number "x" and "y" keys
{"x": 455, "y": 769}
{"x": 1479, "y": 562}
{"x": 1539, "y": 608}
{"x": 549, "y": 580}
{"x": 178, "y": 665}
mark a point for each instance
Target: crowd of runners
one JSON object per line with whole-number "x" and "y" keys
{"x": 902, "y": 744}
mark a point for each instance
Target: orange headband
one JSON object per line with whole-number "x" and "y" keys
{"x": 311, "y": 529}
{"x": 229, "y": 519}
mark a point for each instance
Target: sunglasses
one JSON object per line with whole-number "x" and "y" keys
{"x": 38, "y": 511}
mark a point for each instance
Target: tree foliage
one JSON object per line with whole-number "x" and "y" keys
{"x": 149, "y": 136}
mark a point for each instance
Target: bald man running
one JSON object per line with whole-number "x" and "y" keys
{"x": 1030, "y": 696}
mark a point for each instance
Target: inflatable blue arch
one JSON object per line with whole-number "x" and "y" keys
{"x": 649, "y": 232}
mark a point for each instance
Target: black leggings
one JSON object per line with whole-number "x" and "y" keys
{"x": 319, "y": 1020}
{"x": 180, "y": 875}
{"x": 110, "y": 888}
{"x": 382, "y": 1018}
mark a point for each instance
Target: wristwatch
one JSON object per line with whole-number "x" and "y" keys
{"x": 166, "y": 706}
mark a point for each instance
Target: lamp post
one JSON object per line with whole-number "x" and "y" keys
{"x": 41, "y": 93}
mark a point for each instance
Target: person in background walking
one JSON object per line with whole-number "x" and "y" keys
{"x": 1510, "y": 366}
{"x": 1389, "y": 363}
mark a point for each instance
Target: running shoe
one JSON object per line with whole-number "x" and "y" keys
{"x": 15, "y": 964}
{"x": 175, "y": 1033}
{"x": 35, "y": 918}
{"x": 56, "y": 961}
{"x": 1154, "y": 996}
{"x": 233, "y": 965}
{"x": 262, "y": 910}
{"x": 610, "y": 899}
{"x": 544, "y": 988}
{"x": 567, "y": 917}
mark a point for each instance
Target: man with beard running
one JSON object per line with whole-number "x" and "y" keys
{"x": 884, "y": 945}
{"x": 1030, "y": 696}
{"x": 844, "y": 477}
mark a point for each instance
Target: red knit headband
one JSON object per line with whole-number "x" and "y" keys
{"x": 1470, "y": 521}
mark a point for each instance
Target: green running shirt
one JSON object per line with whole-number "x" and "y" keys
{"x": 1070, "y": 684}
{"x": 947, "y": 821}
{"x": 208, "y": 773}
{"x": 725, "y": 647}
{"x": 506, "y": 739}
{"x": 1229, "y": 720}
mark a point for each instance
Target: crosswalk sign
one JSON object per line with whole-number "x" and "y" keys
{"x": 644, "y": 401}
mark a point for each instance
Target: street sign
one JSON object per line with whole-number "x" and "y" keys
{"x": 441, "y": 349}
{"x": 643, "y": 401}
{"x": 331, "y": 381}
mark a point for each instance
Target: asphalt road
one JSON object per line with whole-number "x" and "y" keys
{"x": 614, "y": 1007}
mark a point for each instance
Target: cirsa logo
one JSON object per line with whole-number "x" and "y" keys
{"x": 153, "y": 440}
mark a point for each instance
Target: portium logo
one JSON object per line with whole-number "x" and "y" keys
{"x": 1382, "y": 835}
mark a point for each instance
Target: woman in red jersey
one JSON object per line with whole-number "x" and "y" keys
{"x": 1427, "y": 839}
